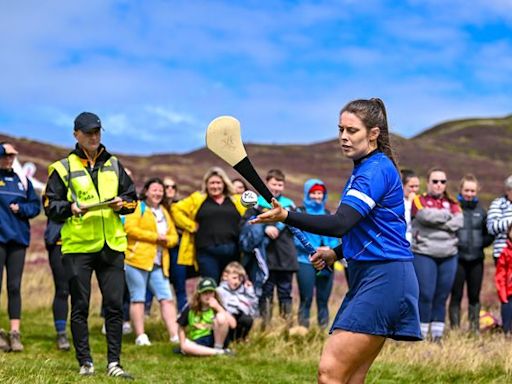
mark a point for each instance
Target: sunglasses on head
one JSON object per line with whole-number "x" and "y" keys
{"x": 439, "y": 181}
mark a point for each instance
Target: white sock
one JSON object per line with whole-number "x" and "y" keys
{"x": 424, "y": 329}
{"x": 437, "y": 328}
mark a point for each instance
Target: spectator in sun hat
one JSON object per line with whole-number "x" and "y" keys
{"x": 205, "y": 324}
{"x": 86, "y": 190}
{"x": 18, "y": 204}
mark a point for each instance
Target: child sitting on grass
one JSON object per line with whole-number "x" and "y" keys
{"x": 204, "y": 324}
{"x": 237, "y": 294}
{"x": 503, "y": 280}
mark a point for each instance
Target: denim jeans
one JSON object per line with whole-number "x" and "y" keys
{"x": 308, "y": 280}
{"x": 212, "y": 260}
{"x": 178, "y": 278}
{"x": 435, "y": 278}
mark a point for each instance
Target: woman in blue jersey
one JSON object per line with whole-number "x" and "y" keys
{"x": 383, "y": 298}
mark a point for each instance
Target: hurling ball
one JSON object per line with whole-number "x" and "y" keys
{"x": 249, "y": 199}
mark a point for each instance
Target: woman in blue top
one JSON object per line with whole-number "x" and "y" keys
{"x": 309, "y": 281}
{"x": 383, "y": 298}
{"x": 18, "y": 204}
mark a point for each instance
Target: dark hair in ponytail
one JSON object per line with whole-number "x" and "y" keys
{"x": 372, "y": 113}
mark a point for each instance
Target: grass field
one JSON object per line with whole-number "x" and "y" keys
{"x": 267, "y": 358}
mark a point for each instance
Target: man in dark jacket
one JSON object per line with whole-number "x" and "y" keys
{"x": 88, "y": 190}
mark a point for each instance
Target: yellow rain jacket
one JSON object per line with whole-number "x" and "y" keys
{"x": 142, "y": 235}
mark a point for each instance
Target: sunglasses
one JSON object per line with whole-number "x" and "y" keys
{"x": 173, "y": 186}
{"x": 439, "y": 181}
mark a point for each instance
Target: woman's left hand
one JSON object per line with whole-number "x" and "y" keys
{"x": 277, "y": 213}
{"x": 15, "y": 208}
{"x": 323, "y": 257}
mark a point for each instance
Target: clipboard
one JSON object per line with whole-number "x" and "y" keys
{"x": 99, "y": 205}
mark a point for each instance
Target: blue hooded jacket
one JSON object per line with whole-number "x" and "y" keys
{"x": 313, "y": 208}
{"x": 14, "y": 227}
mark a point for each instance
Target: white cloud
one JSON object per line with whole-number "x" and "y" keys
{"x": 156, "y": 72}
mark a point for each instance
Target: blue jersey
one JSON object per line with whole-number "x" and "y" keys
{"x": 375, "y": 191}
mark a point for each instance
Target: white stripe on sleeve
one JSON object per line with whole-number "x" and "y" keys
{"x": 361, "y": 196}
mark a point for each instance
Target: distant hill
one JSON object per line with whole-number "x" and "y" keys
{"x": 480, "y": 146}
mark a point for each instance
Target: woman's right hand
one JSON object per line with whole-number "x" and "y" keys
{"x": 277, "y": 213}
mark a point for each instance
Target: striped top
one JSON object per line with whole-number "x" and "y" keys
{"x": 499, "y": 219}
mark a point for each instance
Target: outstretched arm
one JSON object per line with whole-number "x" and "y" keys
{"x": 329, "y": 225}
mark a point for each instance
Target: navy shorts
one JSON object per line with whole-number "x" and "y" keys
{"x": 382, "y": 300}
{"x": 206, "y": 341}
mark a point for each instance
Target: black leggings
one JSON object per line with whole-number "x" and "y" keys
{"x": 60, "y": 300}
{"x": 12, "y": 256}
{"x": 470, "y": 272}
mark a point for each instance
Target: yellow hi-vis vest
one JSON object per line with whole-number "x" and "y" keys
{"x": 89, "y": 232}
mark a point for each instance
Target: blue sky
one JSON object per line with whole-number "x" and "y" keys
{"x": 157, "y": 72}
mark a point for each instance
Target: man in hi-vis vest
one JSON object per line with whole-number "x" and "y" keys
{"x": 87, "y": 191}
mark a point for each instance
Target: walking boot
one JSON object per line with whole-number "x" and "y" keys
{"x": 285, "y": 310}
{"x": 474, "y": 318}
{"x": 15, "y": 340}
{"x": 4, "y": 341}
{"x": 454, "y": 313}
{"x": 63, "y": 342}
{"x": 265, "y": 312}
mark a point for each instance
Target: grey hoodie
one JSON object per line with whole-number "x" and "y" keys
{"x": 434, "y": 232}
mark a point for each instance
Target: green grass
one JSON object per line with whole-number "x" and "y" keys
{"x": 256, "y": 362}
{"x": 276, "y": 358}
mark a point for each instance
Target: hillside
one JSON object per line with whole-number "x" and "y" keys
{"x": 480, "y": 146}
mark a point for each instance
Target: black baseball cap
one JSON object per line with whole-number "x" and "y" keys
{"x": 87, "y": 122}
{"x": 206, "y": 284}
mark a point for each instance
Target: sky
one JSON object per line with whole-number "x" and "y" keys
{"x": 157, "y": 72}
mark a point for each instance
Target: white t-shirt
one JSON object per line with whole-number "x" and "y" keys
{"x": 161, "y": 228}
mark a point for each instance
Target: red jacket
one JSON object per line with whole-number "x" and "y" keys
{"x": 503, "y": 276}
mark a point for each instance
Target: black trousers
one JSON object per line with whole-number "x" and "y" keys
{"x": 109, "y": 268}
{"x": 470, "y": 272}
{"x": 60, "y": 300}
{"x": 12, "y": 256}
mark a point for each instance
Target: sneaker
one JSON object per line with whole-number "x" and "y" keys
{"x": 127, "y": 328}
{"x": 228, "y": 352}
{"x": 174, "y": 339}
{"x": 4, "y": 341}
{"x": 63, "y": 342}
{"x": 104, "y": 329}
{"x": 142, "y": 339}
{"x": 86, "y": 369}
{"x": 15, "y": 341}
{"x": 115, "y": 370}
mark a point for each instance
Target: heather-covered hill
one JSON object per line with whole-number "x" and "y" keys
{"x": 480, "y": 146}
